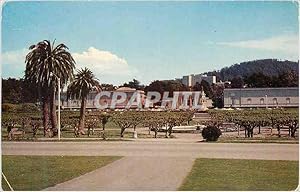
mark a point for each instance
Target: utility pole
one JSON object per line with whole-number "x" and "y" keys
{"x": 58, "y": 97}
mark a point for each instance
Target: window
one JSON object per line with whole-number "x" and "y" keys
{"x": 275, "y": 101}
{"x": 249, "y": 101}
{"x": 262, "y": 101}
{"x": 288, "y": 100}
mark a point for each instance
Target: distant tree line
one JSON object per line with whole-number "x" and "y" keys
{"x": 18, "y": 91}
{"x": 268, "y": 67}
{"x": 284, "y": 79}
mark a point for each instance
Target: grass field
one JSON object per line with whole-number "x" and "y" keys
{"x": 39, "y": 172}
{"x": 238, "y": 175}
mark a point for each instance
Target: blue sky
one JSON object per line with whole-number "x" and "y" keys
{"x": 151, "y": 40}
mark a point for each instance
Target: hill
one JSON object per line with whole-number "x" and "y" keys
{"x": 269, "y": 67}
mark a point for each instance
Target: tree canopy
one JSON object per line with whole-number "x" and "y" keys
{"x": 167, "y": 85}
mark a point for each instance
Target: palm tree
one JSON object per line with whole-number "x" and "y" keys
{"x": 83, "y": 83}
{"x": 45, "y": 63}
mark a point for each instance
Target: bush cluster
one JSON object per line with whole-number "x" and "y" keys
{"x": 211, "y": 133}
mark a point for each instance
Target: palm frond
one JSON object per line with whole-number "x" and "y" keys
{"x": 84, "y": 82}
{"x": 44, "y": 59}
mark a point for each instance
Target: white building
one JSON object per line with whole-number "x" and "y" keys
{"x": 262, "y": 97}
{"x": 193, "y": 79}
{"x": 187, "y": 80}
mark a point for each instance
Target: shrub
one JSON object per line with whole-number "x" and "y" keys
{"x": 27, "y": 108}
{"x": 8, "y": 107}
{"x": 211, "y": 133}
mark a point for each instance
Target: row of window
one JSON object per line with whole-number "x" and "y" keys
{"x": 262, "y": 101}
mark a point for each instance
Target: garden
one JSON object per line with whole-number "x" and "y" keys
{"x": 24, "y": 125}
{"x": 25, "y": 122}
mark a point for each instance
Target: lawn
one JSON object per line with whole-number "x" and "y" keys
{"x": 39, "y": 172}
{"x": 275, "y": 139}
{"x": 240, "y": 175}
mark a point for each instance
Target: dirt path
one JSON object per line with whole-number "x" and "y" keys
{"x": 133, "y": 173}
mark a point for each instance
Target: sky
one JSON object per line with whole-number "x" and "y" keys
{"x": 150, "y": 41}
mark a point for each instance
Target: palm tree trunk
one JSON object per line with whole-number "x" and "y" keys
{"x": 46, "y": 103}
{"x": 82, "y": 116}
{"x": 53, "y": 113}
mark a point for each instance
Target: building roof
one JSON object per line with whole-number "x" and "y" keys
{"x": 262, "y": 92}
{"x": 262, "y": 88}
{"x": 125, "y": 89}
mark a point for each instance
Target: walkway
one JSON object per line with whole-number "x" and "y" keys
{"x": 133, "y": 173}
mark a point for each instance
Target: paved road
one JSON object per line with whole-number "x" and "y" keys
{"x": 156, "y": 148}
{"x": 133, "y": 173}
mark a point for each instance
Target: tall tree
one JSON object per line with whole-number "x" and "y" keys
{"x": 83, "y": 83}
{"x": 44, "y": 64}
{"x": 218, "y": 90}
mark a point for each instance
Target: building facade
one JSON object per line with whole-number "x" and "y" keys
{"x": 261, "y": 97}
{"x": 106, "y": 100}
{"x": 201, "y": 103}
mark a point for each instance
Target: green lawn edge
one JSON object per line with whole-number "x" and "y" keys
{"x": 39, "y": 172}
{"x": 241, "y": 175}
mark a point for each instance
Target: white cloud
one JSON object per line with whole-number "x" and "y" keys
{"x": 14, "y": 56}
{"x": 13, "y": 63}
{"x": 287, "y": 44}
{"x": 106, "y": 66}
{"x": 102, "y": 62}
